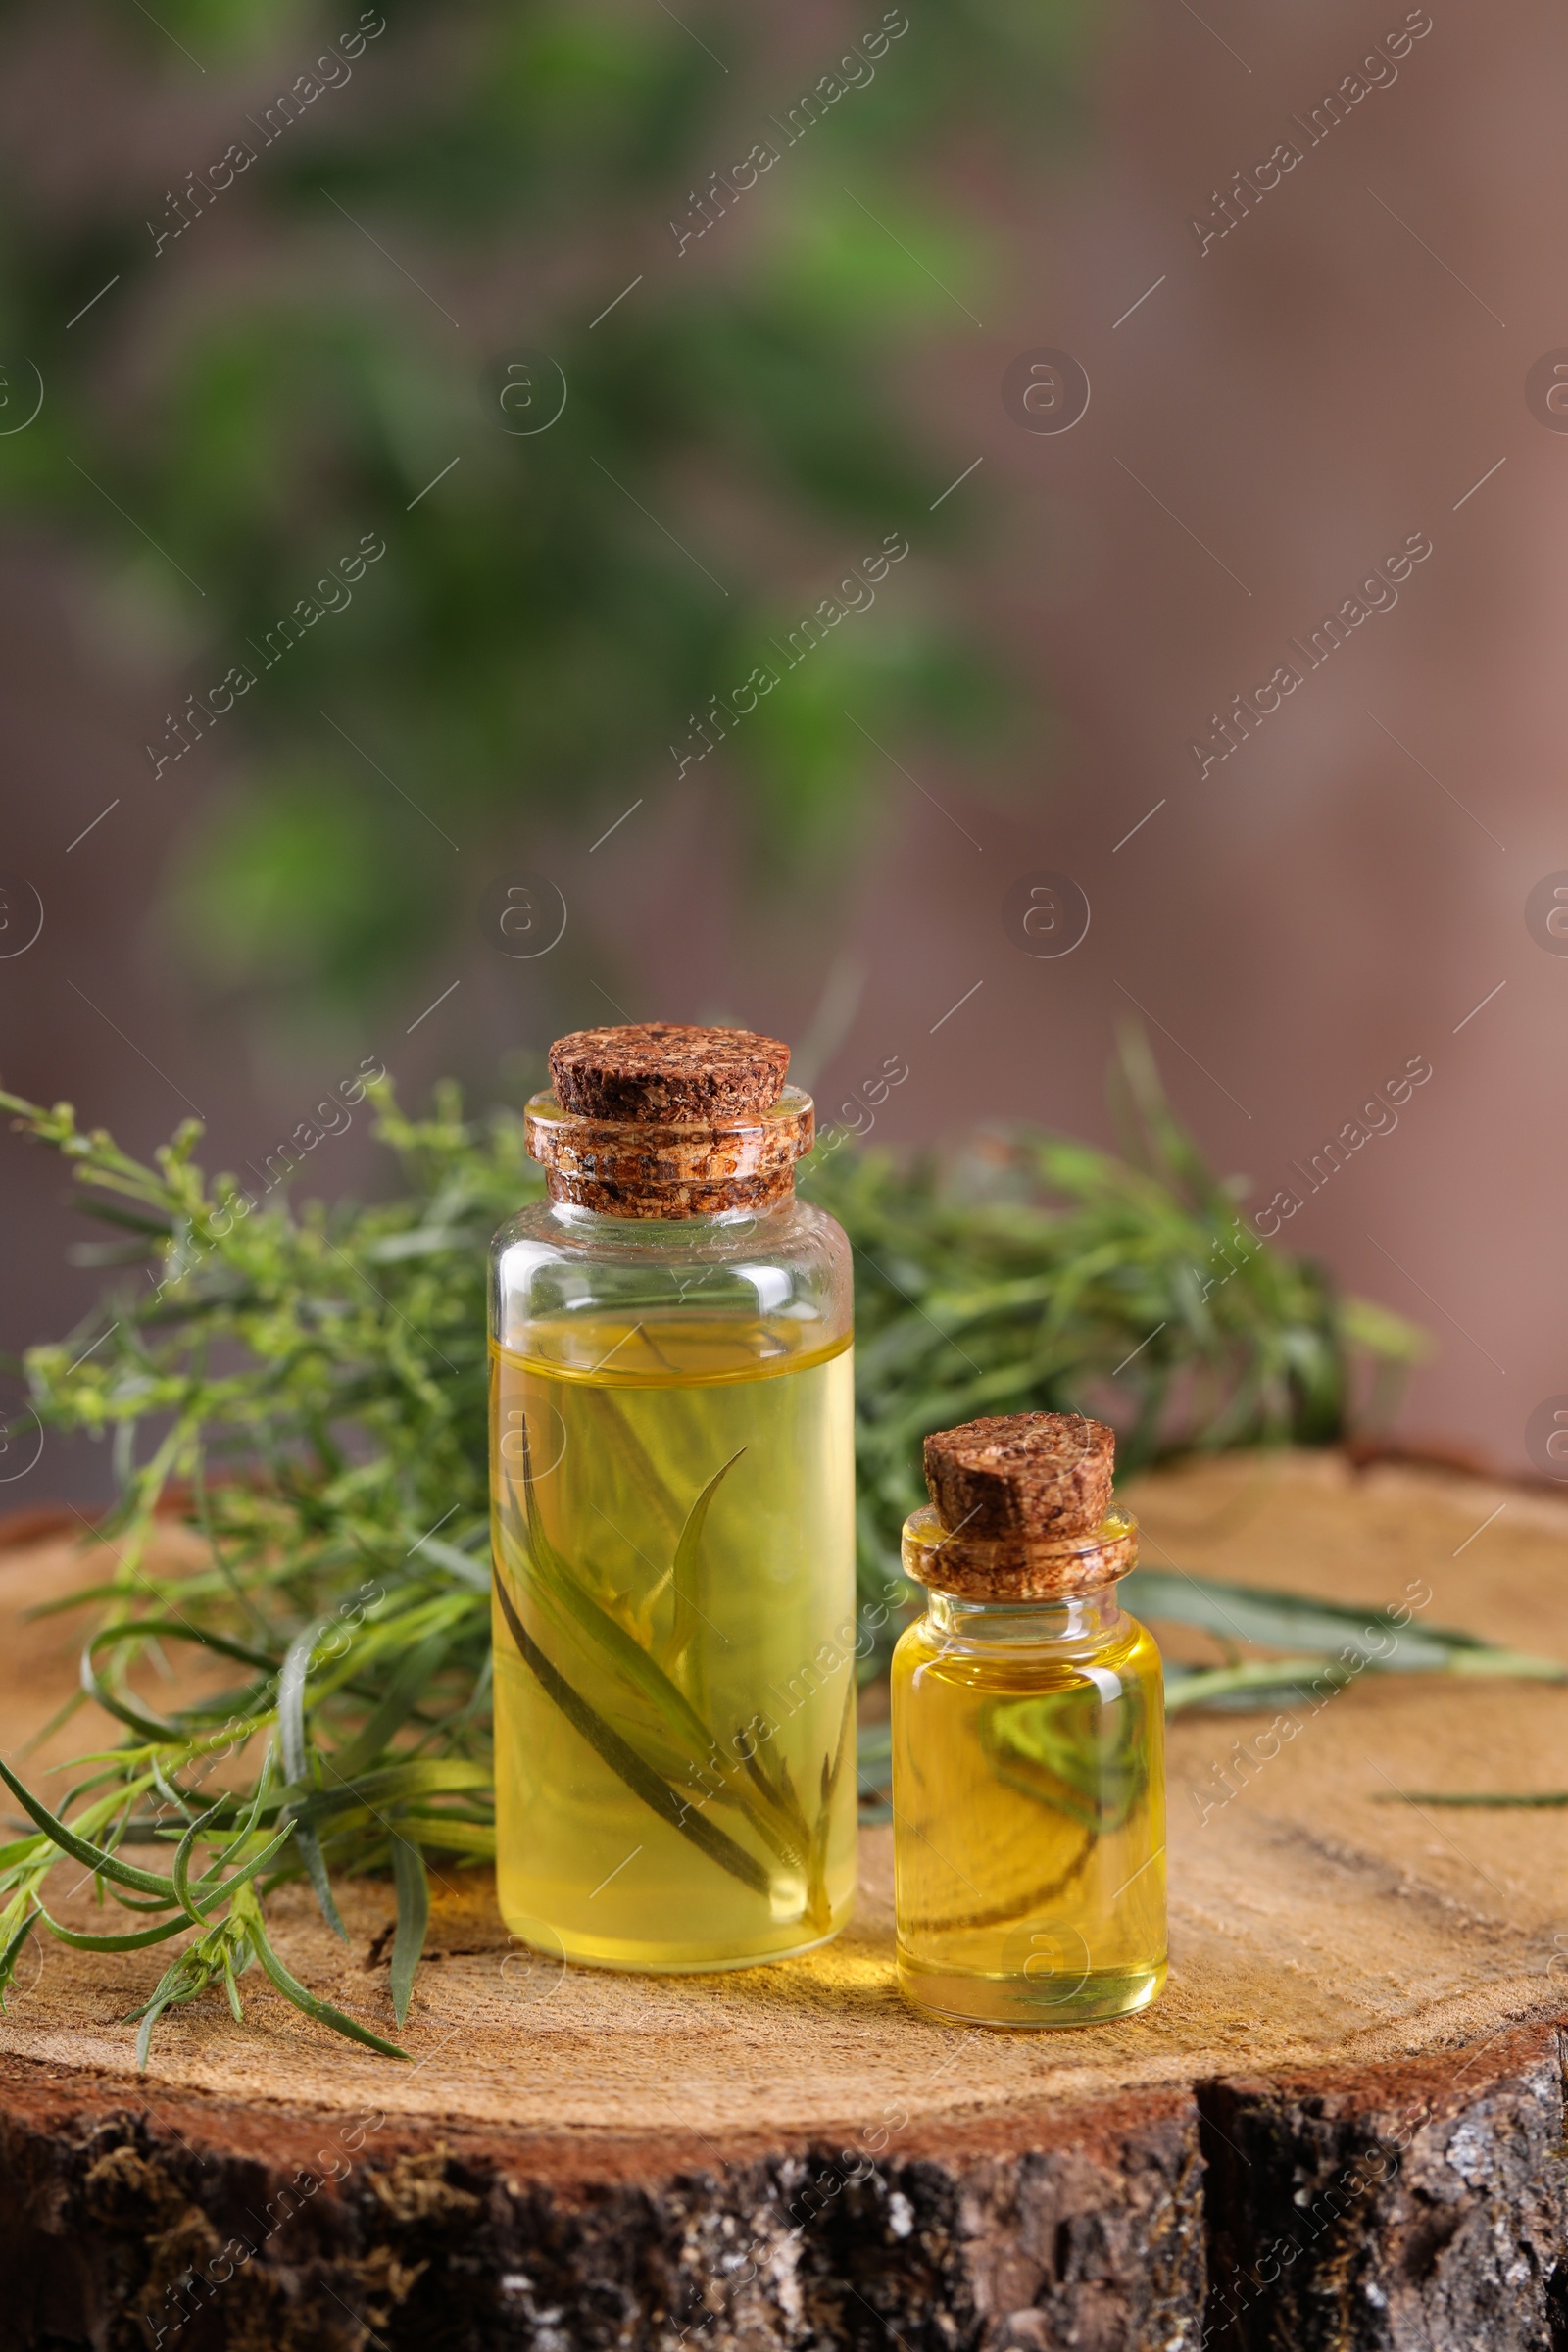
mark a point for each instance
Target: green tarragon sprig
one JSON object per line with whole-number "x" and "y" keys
{"x": 304, "y": 1393}
{"x": 295, "y": 1396}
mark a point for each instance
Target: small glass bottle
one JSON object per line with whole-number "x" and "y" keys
{"x": 1028, "y": 1737}
{"x": 673, "y": 1516}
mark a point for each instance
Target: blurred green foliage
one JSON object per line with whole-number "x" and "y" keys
{"x": 276, "y": 362}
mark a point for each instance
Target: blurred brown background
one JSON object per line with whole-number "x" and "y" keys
{"x": 1270, "y": 418}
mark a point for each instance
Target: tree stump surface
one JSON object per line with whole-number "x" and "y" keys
{"x": 1343, "y": 2124}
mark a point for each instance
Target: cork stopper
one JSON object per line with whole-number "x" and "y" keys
{"x": 1020, "y": 1510}
{"x": 655, "y": 1120}
{"x": 1021, "y": 1474}
{"x": 672, "y": 1075}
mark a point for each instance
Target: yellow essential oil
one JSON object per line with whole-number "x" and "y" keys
{"x": 1028, "y": 1781}
{"x": 672, "y": 1490}
{"x": 695, "y": 1487}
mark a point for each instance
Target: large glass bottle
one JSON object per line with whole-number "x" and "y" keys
{"x": 672, "y": 1492}
{"x": 1028, "y": 1770}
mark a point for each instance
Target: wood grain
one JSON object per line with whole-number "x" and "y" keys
{"x": 1343, "y": 2125}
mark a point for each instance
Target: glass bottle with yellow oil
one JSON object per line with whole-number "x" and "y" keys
{"x": 673, "y": 1517}
{"x": 1028, "y": 1737}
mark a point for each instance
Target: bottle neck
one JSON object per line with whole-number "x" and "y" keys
{"x": 1083, "y": 1617}
{"x": 721, "y": 1224}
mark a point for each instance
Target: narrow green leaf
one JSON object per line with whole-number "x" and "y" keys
{"x": 637, "y": 1465}
{"x": 688, "y": 1612}
{"x": 149, "y": 2018}
{"x": 628, "y": 1765}
{"x": 180, "y": 1629}
{"x": 413, "y": 1917}
{"x": 291, "y": 1683}
{"x": 248, "y": 1819}
{"x": 247, "y": 1870}
{"x": 310, "y": 1851}
{"x": 441, "y": 1833}
{"x": 160, "y": 1228}
{"x": 180, "y": 1869}
{"x": 560, "y": 1584}
{"x": 11, "y": 1950}
{"x": 1547, "y": 1797}
{"x": 149, "y": 1628}
{"x": 78, "y": 1942}
{"x": 184, "y": 1979}
{"x": 1256, "y": 1682}
{"x": 1289, "y": 1620}
{"x": 236, "y": 2011}
{"x": 473, "y": 1573}
{"x": 403, "y": 1695}
{"x": 105, "y": 1865}
{"x": 817, "y": 1860}
{"x": 22, "y": 1850}
{"x": 310, "y": 2006}
{"x": 124, "y": 1710}
{"x": 421, "y": 1775}
{"x": 782, "y": 1825}
{"x": 1514, "y": 1665}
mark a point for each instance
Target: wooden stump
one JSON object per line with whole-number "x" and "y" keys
{"x": 1342, "y": 2125}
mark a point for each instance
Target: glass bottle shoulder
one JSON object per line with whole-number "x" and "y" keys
{"x": 990, "y": 1650}
{"x": 555, "y": 1268}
